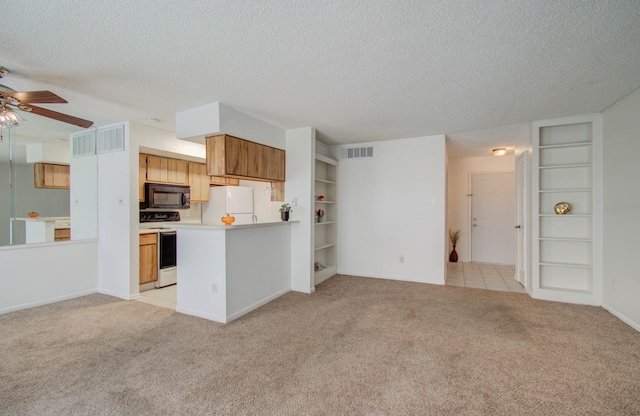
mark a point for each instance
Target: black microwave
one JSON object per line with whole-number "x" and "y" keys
{"x": 159, "y": 195}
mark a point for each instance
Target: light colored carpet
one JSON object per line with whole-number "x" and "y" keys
{"x": 355, "y": 346}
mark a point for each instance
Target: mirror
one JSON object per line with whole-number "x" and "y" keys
{"x": 47, "y": 195}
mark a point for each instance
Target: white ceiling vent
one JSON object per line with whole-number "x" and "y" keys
{"x": 357, "y": 152}
{"x": 84, "y": 144}
{"x": 111, "y": 139}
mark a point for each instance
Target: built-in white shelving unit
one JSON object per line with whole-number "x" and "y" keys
{"x": 325, "y": 230}
{"x": 567, "y": 247}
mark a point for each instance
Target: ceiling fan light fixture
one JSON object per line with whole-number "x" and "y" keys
{"x": 500, "y": 151}
{"x": 8, "y": 118}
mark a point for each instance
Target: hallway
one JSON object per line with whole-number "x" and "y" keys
{"x": 484, "y": 276}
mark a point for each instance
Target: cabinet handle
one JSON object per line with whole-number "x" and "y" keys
{"x": 517, "y": 226}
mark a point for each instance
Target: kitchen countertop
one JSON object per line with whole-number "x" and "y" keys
{"x": 231, "y": 227}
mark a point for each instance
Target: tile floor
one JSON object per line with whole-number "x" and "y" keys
{"x": 164, "y": 297}
{"x": 474, "y": 275}
{"x": 484, "y": 276}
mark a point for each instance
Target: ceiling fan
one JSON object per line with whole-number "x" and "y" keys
{"x": 11, "y": 99}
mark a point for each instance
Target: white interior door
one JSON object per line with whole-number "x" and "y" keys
{"x": 521, "y": 202}
{"x": 493, "y": 214}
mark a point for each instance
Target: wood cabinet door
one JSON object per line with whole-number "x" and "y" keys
{"x": 148, "y": 258}
{"x": 177, "y": 172}
{"x": 255, "y": 155}
{"x": 236, "y": 159}
{"x": 198, "y": 182}
{"x": 156, "y": 169}
{"x": 142, "y": 175}
{"x": 280, "y": 165}
{"x": 47, "y": 175}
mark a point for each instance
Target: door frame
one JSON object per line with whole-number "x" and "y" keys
{"x": 470, "y": 203}
{"x": 522, "y": 208}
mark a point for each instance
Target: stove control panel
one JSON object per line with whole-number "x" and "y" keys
{"x": 159, "y": 216}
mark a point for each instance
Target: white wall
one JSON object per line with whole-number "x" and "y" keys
{"x": 459, "y": 207}
{"x": 197, "y": 123}
{"x": 35, "y": 275}
{"x": 621, "y": 226}
{"x": 385, "y": 210}
{"x": 116, "y": 197}
{"x": 300, "y": 165}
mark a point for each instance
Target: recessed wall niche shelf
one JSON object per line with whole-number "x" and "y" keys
{"x": 567, "y": 252}
{"x": 325, "y": 232}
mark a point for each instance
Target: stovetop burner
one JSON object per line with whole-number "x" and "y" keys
{"x": 159, "y": 216}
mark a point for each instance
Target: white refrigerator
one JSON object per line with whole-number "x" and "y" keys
{"x": 232, "y": 200}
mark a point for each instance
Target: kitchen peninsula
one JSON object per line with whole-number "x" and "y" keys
{"x": 225, "y": 272}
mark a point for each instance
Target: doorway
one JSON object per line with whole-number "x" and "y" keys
{"x": 493, "y": 215}
{"x": 521, "y": 213}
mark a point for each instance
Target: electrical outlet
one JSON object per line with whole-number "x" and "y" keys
{"x": 402, "y": 259}
{"x": 214, "y": 287}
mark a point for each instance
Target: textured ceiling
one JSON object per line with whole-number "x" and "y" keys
{"x": 356, "y": 70}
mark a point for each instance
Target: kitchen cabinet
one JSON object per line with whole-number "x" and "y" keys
{"x": 142, "y": 176}
{"x": 177, "y": 172}
{"x": 325, "y": 230}
{"x": 230, "y": 156}
{"x": 148, "y": 258}
{"x": 158, "y": 169}
{"x": 198, "y": 182}
{"x": 220, "y": 181}
{"x": 62, "y": 234}
{"x": 49, "y": 175}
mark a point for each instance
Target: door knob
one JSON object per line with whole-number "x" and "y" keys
{"x": 517, "y": 226}
{"x": 475, "y": 225}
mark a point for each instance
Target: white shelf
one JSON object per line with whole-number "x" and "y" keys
{"x": 322, "y": 246}
{"x": 569, "y": 215}
{"x": 324, "y": 201}
{"x": 325, "y": 222}
{"x": 325, "y": 181}
{"x": 327, "y": 160}
{"x": 578, "y": 265}
{"x": 585, "y": 240}
{"x": 565, "y": 190}
{"x": 573, "y": 165}
{"x": 559, "y": 146}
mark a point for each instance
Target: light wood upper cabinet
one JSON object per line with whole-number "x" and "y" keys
{"x": 157, "y": 169}
{"x": 142, "y": 176}
{"x": 198, "y": 182}
{"x": 48, "y": 175}
{"x": 229, "y": 156}
{"x": 218, "y": 180}
{"x": 177, "y": 172}
{"x": 148, "y": 258}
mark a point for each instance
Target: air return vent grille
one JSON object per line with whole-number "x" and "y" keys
{"x": 357, "y": 152}
{"x": 111, "y": 139}
{"x": 84, "y": 144}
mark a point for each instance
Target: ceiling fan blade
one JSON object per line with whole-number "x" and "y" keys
{"x": 36, "y": 97}
{"x": 59, "y": 116}
{"x": 6, "y": 90}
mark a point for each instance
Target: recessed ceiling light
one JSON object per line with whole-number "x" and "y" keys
{"x": 499, "y": 151}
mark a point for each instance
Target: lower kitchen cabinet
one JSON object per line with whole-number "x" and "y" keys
{"x": 62, "y": 234}
{"x": 148, "y": 258}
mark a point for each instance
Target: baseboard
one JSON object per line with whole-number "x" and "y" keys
{"x": 47, "y": 301}
{"x": 256, "y": 305}
{"x": 303, "y": 289}
{"x": 126, "y": 296}
{"x": 399, "y": 279}
{"x": 200, "y": 314}
{"x": 622, "y": 317}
